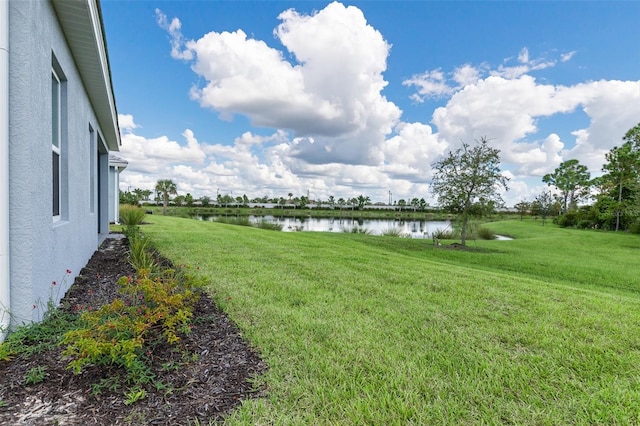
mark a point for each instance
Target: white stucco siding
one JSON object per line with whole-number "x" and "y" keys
{"x": 41, "y": 249}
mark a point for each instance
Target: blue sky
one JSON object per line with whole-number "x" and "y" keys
{"x": 272, "y": 97}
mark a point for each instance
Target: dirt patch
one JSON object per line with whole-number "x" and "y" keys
{"x": 206, "y": 386}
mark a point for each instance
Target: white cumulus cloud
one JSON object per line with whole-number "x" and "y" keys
{"x": 331, "y": 91}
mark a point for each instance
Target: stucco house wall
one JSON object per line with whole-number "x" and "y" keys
{"x": 42, "y": 248}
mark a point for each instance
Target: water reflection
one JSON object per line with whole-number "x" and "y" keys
{"x": 409, "y": 228}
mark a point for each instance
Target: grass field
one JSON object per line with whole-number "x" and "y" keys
{"x": 360, "y": 329}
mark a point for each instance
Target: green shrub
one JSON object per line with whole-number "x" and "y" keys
{"x": 567, "y": 220}
{"x": 37, "y": 337}
{"x": 150, "y": 311}
{"x": 485, "y": 233}
{"x": 140, "y": 254}
{"x": 242, "y": 220}
{"x": 585, "y": 224}
{"x": 35, "y": 375}
{"x": 358, "y": 230}
{"x": 263, "y": 224}
{"x": 394, "y": 232}
{"x": 131, "y": 215}
{"x": 443, "y": 234}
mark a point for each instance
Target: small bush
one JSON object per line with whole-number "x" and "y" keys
{"x": 394, "y": 232}
{"x": 131, "y": 215}
{"x": 242, "y": 221}
{"x": 567, "y": 220}
{"x": 37, "y": 337}
{"x": 485, "y": 233}
{"x": 35, "y": 375}
{"x": 585, "y": 224}
{"x": 358, "y": 230}
{"x": 634, "y": 228}
{"x": 150, "y": 311}
{"x": 443, "y": 234}
{"x": 263, "y": 224}
{"x": 140, "y": 254}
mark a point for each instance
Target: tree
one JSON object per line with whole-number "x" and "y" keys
{"x": 401, "y": 203}
{"x": 544, "y": 205}
{"x": 468, "y": 180}
{"x": 128, "y": 198}
{"x": 620, "y": 185}
{"x": 633, "y": 137}
{"x": 205, "y": 201}
{"x": 362, "y": 201}
{"x": 304, "y": 200}
{"x": 188, "y": 199}
{"x": 523, "y": 207}
{"x": 572, "y": 180}
{"x": 139, "y": 193}
{"x": 164, "y": 188}
{"x": 226, "y": 199}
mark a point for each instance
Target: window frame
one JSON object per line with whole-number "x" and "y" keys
{"x": 56, "y": 144}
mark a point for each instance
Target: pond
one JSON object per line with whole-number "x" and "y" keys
{"x": 412, "y": 228}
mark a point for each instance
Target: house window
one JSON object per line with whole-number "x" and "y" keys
{"x": 56, "y": 140}
{"x": 93, "y": 151}
{"x": 59, "y": 154}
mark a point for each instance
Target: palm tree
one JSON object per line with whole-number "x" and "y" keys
{"x": 164, "y": 188}
{"x": 139, "y": 194}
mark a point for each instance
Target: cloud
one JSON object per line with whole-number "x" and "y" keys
{"x": 613, "y": 107}
{"x": 259, "y": 165}
{"x": 466, "y": 74}
{"x": 430, "y": 84}
{"x": 177, "y": 40}
{"x": 327, "y": 84}
{"x": 410, "y": 153}
{"x": 507, "y": 110}
{"x": 148, "y": 155}
{"x": 126, "y": 123}
{"x": 437, "y": 83}
{"x": 526, "y": 65}
{"x": 567, "y": 56}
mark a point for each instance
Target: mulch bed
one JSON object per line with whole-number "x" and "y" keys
{"x": 205, "y": 387}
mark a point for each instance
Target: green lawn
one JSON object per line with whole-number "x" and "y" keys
{"x": 361, "y": 329}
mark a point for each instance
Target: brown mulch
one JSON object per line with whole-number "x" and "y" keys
{"x": 204, "y": 387}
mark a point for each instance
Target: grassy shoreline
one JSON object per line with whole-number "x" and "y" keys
{"x": 407, "y": 214}
{"x": 359, "y": 329}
